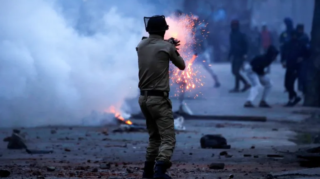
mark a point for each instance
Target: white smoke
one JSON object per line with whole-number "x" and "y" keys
{"x": 51, "y": 74}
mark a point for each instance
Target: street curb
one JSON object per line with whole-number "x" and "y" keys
{"x": 213, "y": 117}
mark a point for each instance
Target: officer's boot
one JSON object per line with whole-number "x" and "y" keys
{"x": 148, "y": 170}
{"x": 160, "y": 171}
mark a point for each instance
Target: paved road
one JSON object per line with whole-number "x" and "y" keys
{"x": 218, "y": 101}
{"x": 80, "y": 150}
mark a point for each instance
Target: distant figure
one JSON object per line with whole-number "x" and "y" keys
{"x": 294, "y": 52}
{"x": 259, "y": 78}
{"x": 238, "y": 55}
{"x": 254, "y": 43}
{"x": 202, "y": 49}
{"x": 285, "y": 35}
{"x": 266, "y": 38}
{"x": 304, "y": 39}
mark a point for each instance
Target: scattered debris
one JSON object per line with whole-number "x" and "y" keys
{"x": 247, "y": 155}
{"x": 29, "y": 151}
{"x": 51, "y": 169}
{"x": 129, "y": 171}
{"x": 4, "y": 173}
{"x": 105, "y": 132}
{"x": 316, "y": 139}
{"x": 16, "y": 142}
{"x": 274, "y": 156}
{"x": 231, "y": 176}
{"x": 302, "y": 173}
{"x": 214, "y": 141}
{"x": 309, "y": 157}
{"x": 223, "y": 153}
{"x": 130, "y": 128}
{"x": 53, "y": 131}
{"x": 220, "y": 126}
{"x": 105, "y": 166}
{"x": 67, "y": 150}
{"x": 178, "y": 123}
{"x": 216, "y": 166}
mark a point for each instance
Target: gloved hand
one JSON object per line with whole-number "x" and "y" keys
{"x": 174, "y": 41}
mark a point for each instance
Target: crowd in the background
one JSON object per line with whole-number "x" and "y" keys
{"x": 259, "y": 50}
{"x": 251, "y": 51}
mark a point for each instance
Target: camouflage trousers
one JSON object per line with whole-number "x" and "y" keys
{"x": 159, "y": 119}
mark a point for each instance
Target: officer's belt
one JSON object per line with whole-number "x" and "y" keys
{"x": 154, "y": 93}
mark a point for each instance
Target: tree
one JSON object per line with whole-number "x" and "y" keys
{"x": 312, "y": 97}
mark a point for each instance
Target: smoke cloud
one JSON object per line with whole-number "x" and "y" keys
{"x": 61, "y": 60}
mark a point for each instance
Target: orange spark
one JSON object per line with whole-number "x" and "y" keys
{"x": 117, "y": 115}
{"x": 183, "y": 29}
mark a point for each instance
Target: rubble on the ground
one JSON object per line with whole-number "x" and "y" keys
{"x": 179, "y": 123}
{"x": 216, "y": 166}
{"x": 295, "y": 174}
{"x": 316, "y": 139}
{"x": 51, "y": 169}
{"x": 309, "y": 157}
{"x": 29, "y": 151}
{"x": 16, "y": 142}
{"x": 129, "y": 126}
{"x": 4, "y": 173}
{"x": 214, "y": 141}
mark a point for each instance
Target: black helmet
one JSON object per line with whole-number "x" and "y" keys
{"x": 156, "y": 23}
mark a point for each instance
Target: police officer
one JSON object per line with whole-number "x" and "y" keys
{"x": 238, "y": 54}
{"x": 154, "y": 55}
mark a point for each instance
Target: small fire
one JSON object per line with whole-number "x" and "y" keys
{"x": 117, "y": 115}
{"x": 183, "y": 29}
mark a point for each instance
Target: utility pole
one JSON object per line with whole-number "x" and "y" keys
{"x": 312, "y": 97}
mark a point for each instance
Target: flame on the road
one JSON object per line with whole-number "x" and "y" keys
{"x": 183, "y": 29}
{"x": 117, "y": 115}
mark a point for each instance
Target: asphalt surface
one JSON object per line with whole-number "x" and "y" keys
{"x": 97, "y": 152}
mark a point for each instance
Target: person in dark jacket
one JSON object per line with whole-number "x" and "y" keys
{"x": 303, "y": 38}
{"x": 238, "y": 54}
{"x": 286, "y": 34}
{"x": 258, "y": 76}
{"x": 294, "y": 52}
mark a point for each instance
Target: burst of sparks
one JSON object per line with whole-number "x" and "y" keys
{"x": 183, "y": 29}
{"x": 117, "y": 115}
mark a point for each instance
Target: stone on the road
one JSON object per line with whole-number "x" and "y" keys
{"x": 4, "y": 173}
{"x": 16, "y": 142}
{"x": 216, "y": 166}
{"x": 51, "y": 169}
{"x": 213, "y": 141}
